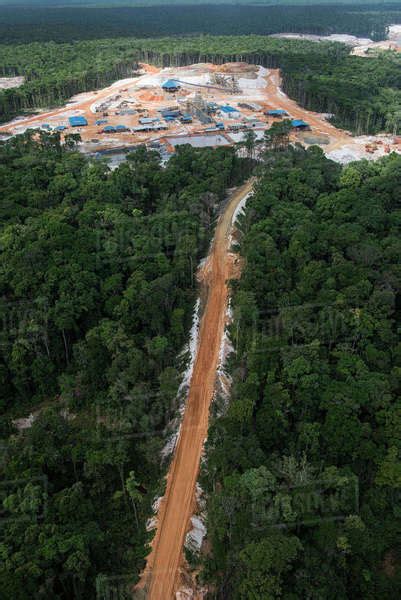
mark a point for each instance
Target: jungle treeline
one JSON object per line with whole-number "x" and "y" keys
{"x": 303, "y": 468}
{"x": 97, "y": 292}
{"x": 64, "y": 23}
{"x": 363, "y": 94}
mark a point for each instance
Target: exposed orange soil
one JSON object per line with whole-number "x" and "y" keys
{"x": 277, "y": 99}
{"x": 161, "y": 577}
{"x": 237, "y": 67}
{"x": 152, "y": 99}
{"x": 150, "y": 96}
{"x": 83, "y": 106}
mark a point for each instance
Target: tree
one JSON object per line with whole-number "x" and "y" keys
{"x": 134, "y": 494}
{"x": 263, "y": 565}
{"x": 277, "y": 137}
{"x": 249, "y": 143}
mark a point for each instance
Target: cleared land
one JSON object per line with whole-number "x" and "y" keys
{"x": 128, "y": 102}
{"x": 7, "y": 83}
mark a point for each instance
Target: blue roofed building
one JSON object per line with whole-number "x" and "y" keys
{"x": 148, "y": 120}
{"x": 277, "y": 112}
{"x": 299, "y": 124}
{"x": 171, "y": 85}
{"x": 77, "y": 121}
{"x": 228, "y": 109}
{"x": 170, "y": 113}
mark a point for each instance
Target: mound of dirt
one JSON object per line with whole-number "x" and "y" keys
{"x": 237, "y": 67}
{"x": 150, "y": 96}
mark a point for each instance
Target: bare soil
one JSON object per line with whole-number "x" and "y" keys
{"x": 162, "y": 575}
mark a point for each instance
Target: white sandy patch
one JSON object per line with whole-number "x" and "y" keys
{"x": 7, "y": 83}
{"x": 25, "y": 422}
{"x": 195, "y": 536}
{"x": 394, "y": 32}
{"x": 240, "y": 208}
{"x": 191, "y": 348}
{"x": 344, "y": 38}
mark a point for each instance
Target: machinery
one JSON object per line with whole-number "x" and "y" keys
{"x": 229, "y": 83}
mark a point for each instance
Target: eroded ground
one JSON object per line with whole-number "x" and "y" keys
{"x": 251, "y": 90}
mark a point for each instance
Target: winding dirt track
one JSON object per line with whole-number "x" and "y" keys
{"x": 161, "y": 577}
{"x": 277, "y": 99}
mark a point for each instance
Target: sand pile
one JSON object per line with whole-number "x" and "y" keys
{"x": 150, "y": 96}
{"x": 237, "y": 67}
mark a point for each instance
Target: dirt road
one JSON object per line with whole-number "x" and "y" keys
{"x": 161, "y": 576}
{"x": 277, "y": 99}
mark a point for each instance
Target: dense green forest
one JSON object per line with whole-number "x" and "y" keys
{"x": 303, "y": 470}
{"x": 63, "y": 24}
{"x": 364, "y": 95}
{"x": 55, "y": 72}
{"x": 97, "y": 291}
{"x": 373, "y": 4}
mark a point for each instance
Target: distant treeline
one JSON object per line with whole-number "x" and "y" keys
{"x": 55, "y": 72}
{"x": 372, "y": 4}
{"x": 63, "y": 24}
{"x": 363, "y": 94}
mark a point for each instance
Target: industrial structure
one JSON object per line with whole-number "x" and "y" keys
{"x": 171, "y": 85}
{"x": 208, "y": 105}
{"x": 77, "y": 121}
{"x": 277, "y": 112}
{"x": 300, "y": 124}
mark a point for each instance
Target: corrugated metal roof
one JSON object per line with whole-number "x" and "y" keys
{"x": 170, "y": 113}
{"x": 77, "y": 121}
{"x": 277, "y": 111}
{"x": 146, "y": 120}
{"x": 228, "y": 109}
{"x": 299, "y": 123}
{"x": 171, "y": 84}
{"x": 150, "y": 127}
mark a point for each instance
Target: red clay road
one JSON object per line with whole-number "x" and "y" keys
{"x": 161, "y": 577}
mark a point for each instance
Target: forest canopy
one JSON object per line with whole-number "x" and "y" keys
{"x": 303, "y": 470}
{"x": 65, "y": 23}
{"x": 97, "y": 292}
